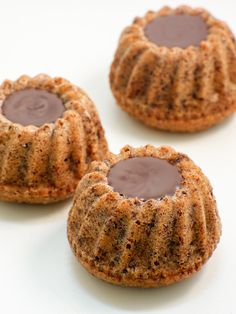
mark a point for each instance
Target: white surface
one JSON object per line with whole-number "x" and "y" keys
{"x": 38, "y": 274}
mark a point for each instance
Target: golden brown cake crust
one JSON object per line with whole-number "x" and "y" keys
{"x": 44, "y": 164}
{"x": 130, "y": 242}
{"x": 175, "y": 89}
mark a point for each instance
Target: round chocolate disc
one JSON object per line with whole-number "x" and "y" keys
{"x": 181, "y": 30}
{"x": 144, "y": 177}
{"x": 32, "y": 107}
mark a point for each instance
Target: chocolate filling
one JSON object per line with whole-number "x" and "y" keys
{"x": 144, "y": 177}
{"x": 181, "y": 30}
{"x": 32, "y": 107}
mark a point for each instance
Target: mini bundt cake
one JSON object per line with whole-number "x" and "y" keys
{"x": 49, "y": 132}
{"x": 146, "y": 217}
{"x": 175, "y": 70}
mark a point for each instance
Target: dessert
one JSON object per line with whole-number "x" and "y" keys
{"x": 49, "y": 133}
{"x": 145, "y": 218}
{"x": 175, "y": 70}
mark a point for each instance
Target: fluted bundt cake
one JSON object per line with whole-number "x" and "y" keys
{"x": 175, "y": 70}
{"x": 146, "y": 217}
{"x": 49, "y": 132}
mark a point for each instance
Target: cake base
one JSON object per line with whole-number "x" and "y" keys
{"x": 35, "y": 195}
{"x": 149, "y": 116}
{"x": 159, "y": 281}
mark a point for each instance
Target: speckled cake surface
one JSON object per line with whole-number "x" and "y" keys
{"x": 142, "y": 241}
{"x": 175, "y": 70}
{"x": 44, "y": 152}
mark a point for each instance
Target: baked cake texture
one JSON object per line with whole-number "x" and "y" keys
{"x": 142, "y": 241}
{"x": 175, "y": 70}
{"x": 43, "y": 163}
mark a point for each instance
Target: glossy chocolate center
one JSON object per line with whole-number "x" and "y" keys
{"x": 144, "y": 177}
{"x": 181, "y": 30}
{"x": 32, "y": 107}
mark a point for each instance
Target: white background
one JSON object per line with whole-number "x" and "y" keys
{"x": 38, "y": 273}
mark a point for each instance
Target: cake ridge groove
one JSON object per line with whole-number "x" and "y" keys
{"x": 140, "y": 81}
{"x": 127, "y": 248}
{"x": 38, "y": 155}
{"x": 103, "y": 228}
{"x": 94, "y": 208}
{"x": 60, "y": 150}
{"x": 78, "y": 150}
{"x": 128, "y": 61}
{"x": 156, "y": 83}
{"x": 84, "y": 197}
{"x": 199, "y": 217}
{"x": 89, "y": 131}
{"x": 12, "y": 134}
{"x": 182, "y": 230}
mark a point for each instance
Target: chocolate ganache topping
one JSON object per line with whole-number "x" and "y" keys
{"x": 181, "y": 30}
{"x": 32, "y": 107}
{"x": 144, "y": 177}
